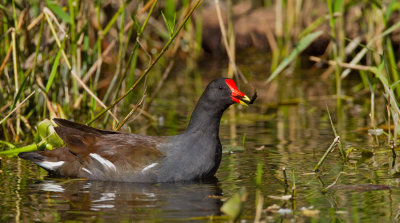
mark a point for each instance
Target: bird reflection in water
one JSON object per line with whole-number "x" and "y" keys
{"x": 116, "y": 201}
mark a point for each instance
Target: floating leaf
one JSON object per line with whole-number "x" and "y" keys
{"x": 375, "y": 132}
{"x": 309, "y": 212}
{"x": 285, "y": 211}
{"x": 283, "y": 198}
{"x": 273, "y": 208}
{"x": 234, "y": 206}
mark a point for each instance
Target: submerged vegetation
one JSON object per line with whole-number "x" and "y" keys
{"x": 106, "y": 64}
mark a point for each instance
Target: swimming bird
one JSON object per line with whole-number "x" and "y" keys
{"x": 115, "y": 156}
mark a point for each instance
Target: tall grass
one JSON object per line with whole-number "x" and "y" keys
{"x": 85, "y": 61}
{"x": 63, "y": 53}
{"x": 370, "y": 52}
{"x": 60, "y": 56}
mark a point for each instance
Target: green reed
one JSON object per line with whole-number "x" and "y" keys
{"x": 336, "y": 24}
{"x": 59, "y": 52}
{"x": 67, "y": 48}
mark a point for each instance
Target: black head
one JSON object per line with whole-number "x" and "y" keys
{"x": 218, "y": 96}
{"x": 223, "y": 91}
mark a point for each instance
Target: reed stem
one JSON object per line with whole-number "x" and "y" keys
{"x": 146, "y": 72}
{"x": 331, "y": 147}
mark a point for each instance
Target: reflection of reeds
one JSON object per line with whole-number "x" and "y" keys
{"x": 369, "y": 52}
{"x": 56, "y": 63}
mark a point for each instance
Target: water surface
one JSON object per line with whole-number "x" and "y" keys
{"x": 275, "y": 135}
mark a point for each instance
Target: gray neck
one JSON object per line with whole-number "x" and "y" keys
{"x": 206, "y": 119}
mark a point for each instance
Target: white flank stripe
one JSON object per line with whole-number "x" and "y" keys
{"x": 103, "y": 161}
{"x": 86, "y": 170}
{"x": 149, "y": 167}
{"x": 51, "y": 165}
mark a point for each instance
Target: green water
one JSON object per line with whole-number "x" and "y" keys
{"x": 291, "y": 134}
{"x": 276, "y": 141}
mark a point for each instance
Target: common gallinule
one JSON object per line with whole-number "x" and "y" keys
{"x": 115, "y": 156}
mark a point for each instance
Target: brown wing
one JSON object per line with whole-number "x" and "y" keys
{"x": 82, "y": 140}
{"x": 84, "y": 128}
{"x": 98, "y": 154}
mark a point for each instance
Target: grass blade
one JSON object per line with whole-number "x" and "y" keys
{"x": 54, "y": 67}
{"x": 18, "y": 106}
{"x": 20, "y": 90}
{"x": 58, "y": 10}
{"x": 302, "y": 45}
{"x": 146, "y": 72}
{"x": 335, "y": 141}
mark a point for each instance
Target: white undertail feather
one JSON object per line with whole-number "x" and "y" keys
{"x": 149, "y": 167}
{"x": 48, "y": 165}
{"x": 86, "y": 170}
{"x": 106, "y": 163}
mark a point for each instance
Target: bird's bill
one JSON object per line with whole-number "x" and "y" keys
{"x": 237, "y": 96}
{"x": 245, "y": 100}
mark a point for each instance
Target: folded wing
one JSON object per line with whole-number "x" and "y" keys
{"x": 99, "y": 154}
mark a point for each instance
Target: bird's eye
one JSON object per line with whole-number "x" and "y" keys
{"x": 220, "y": 87}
